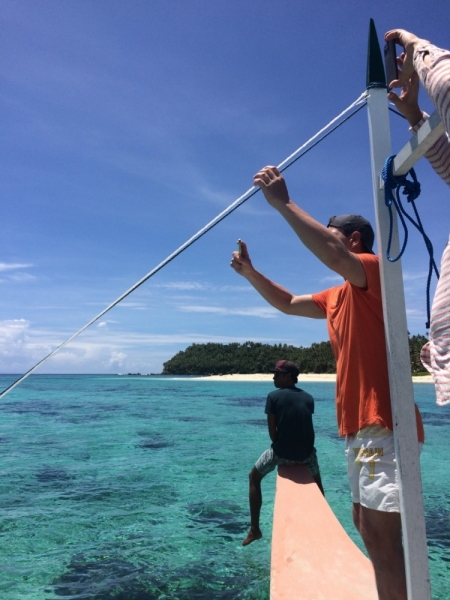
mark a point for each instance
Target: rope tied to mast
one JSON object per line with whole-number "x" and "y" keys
{"x": 411, "y": 189}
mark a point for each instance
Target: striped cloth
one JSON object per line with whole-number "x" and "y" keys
{"x": 435, "y": 355}
{"x": 436, "y": 80}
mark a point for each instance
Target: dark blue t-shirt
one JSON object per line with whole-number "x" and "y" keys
{"x": 293, "y": 409}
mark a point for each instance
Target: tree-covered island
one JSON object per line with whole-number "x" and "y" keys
{"x": 254, "y": 357}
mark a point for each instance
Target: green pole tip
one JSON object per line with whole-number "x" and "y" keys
{"x": 375, "y": 76}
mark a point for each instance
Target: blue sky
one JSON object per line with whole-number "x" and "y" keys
{"x": 127, "y": 126}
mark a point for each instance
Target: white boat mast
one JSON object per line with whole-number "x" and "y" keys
{"x": 402, "y": 395}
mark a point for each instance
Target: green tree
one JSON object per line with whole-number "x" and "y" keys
{"x": 254, "y": 357}
{"x": 415, "y": 346}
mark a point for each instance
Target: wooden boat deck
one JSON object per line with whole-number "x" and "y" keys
{"x": 313, "y": 558}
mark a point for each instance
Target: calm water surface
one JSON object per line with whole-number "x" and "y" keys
{"x": 135, "y": 488}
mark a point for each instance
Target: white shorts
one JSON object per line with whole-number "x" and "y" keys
{"x": 372, "y": 469}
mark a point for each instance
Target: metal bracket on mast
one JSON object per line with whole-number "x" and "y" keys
{"x": 394, "y": 312}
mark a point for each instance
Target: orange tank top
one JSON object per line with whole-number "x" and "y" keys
{"x": 356, "y": 330}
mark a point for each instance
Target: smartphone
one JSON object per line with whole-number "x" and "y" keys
{"x": 239, "y": 247}
{"x": 390, "y": 62}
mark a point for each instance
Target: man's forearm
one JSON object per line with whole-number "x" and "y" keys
{"x": 272, "y": 292}
{"x": 283, "y": 300}
{"x": 315, "y": 236}
{"x": 273, "y": 436}
{"x": 272, "y": 425}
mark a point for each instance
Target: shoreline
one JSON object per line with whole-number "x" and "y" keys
{"x": 303, "y": 377}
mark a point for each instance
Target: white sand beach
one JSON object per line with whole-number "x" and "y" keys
{"x": 302, "y": 377}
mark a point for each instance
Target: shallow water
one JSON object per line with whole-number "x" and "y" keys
{"x": 123, "y": 488}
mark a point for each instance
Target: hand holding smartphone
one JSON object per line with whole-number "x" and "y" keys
{"x": 390, "y": 62}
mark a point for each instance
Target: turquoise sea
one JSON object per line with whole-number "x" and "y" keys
{"x": 135, "y": 488}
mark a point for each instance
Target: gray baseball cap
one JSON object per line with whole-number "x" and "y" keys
{"x": 351, "y": 223}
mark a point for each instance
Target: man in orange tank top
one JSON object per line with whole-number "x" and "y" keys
{"x": 355, "y": 319}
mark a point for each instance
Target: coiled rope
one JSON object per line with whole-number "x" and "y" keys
{"x": 411, "y": 189}
{"x": 355, "y": 107}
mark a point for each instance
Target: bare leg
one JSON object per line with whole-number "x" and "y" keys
{"x": 356, "y": 512}
{"x": 382, "y": 536}
{"x": 255, "y": 499}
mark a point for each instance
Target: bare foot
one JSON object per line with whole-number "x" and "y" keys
{"x": 252, "y": 537}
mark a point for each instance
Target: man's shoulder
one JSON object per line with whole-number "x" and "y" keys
{"x": 368, "y": 258}
{"x": 305, "y": 395}
{"x": 321, "y": 297}
{"x": 369, "y": 262}
{"x": 371, "y": 266}
{"x": 284, "y": 392}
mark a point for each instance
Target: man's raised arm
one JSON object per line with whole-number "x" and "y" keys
{"x": 325, "y": 243}
{"x": 274, "y": 294}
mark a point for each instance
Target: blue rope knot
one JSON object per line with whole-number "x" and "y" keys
{"x": 411, "y": 189}
{"x": 392, "y": 182}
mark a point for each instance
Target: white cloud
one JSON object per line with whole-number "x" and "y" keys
{"x": 106, "y": 322}
{"x": 12, "y": 329}
{"x": 332, "y": 279}
{"x": 201, "y": 286}
{"x": 414, "y": 276}
{"x": 262, "y": 312}
{"x": 116, "y": 360}
{"x": 17, "y": 348}
{"x": 415, "y": 313}
{"x": 97, "y": 350}
{"x": 183, "y": 285}
{"x": 19, "y": 277}
{"x": 22, "y": 277}
{"x": 135, "y": 305}
{"x": 218, "y": 197}
{"x": 14, "y": 266}
{"x": 236, "y": 288}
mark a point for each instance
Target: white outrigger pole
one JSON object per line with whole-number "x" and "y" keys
{"x": 400, "y": 381}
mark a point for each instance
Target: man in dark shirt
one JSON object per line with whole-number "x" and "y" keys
{"x": 289, "y": 418}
